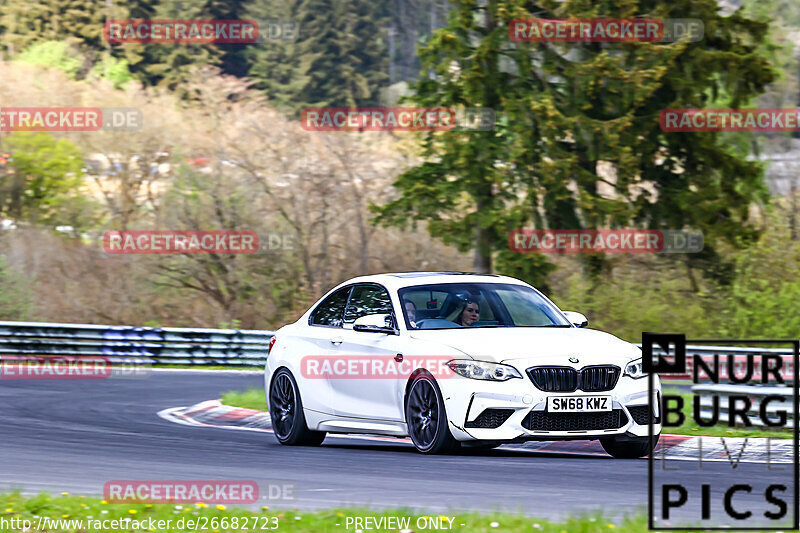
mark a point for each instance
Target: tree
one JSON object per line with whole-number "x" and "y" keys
{"x": 172, "y": 65}
{"x": 239, "y": 284}
{"x": 410, "y": 23}
{"x": 578, "y": 143}
{"x": 275, "y": 64}
{"x": 42, "y": 179}
{"x": 340, "y": 58}
{"x": 76, "y": 22}
{"x": 135, "y": 55}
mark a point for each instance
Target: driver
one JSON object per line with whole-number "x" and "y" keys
{"x": 468, "y": 314}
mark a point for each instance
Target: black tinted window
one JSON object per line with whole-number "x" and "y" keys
{"x": 367, "y": 300}
{"x": 331, "y": 310}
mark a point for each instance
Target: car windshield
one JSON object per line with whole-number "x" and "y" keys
{"x": 477, "y": 305}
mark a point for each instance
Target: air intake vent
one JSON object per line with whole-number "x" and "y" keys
{"x": 544, "y": 421}
{"x": 641, "y": 414}
{"x": 490, "y": 418}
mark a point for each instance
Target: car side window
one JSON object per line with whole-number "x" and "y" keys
{"x": 331, "y": 310}
{"x": 367, "y": 300}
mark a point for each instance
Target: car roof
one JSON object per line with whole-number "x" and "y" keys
{"x": 398, "y": 280}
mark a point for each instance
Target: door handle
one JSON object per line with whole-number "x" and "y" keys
{"x": 336, "y": 340}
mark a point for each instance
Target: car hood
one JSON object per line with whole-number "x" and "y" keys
{"x": 548, "y": 346}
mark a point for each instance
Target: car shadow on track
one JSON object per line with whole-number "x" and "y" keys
{"x": 404, "y": 448}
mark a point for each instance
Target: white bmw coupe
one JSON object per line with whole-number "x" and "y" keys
{"x": 454, "y": 359}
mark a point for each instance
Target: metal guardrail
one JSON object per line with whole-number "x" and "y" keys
{"x": 203, "y": 347}
{"x": 136, "y": 345}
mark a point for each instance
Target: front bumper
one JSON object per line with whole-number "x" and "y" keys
{"x": 509, "y": 405}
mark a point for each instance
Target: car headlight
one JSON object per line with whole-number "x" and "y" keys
{"x": 634, "y": 369}
{"x": 483, "y": 370}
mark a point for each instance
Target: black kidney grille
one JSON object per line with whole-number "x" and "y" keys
{"x": 554, "y": 378}
{"x": 490, "y": 418}
{"x": 567, "y": 379}
{"x": 599, "y": 378}
{"x": 544, "y": 421}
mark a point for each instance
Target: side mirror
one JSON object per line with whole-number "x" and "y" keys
{"x": 576, "y": 319}
{"x": 377, "y": 323}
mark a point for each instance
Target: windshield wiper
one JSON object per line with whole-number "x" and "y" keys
{"x": 555, "y": 326}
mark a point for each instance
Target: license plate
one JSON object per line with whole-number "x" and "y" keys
{"x": 578, "y": 404}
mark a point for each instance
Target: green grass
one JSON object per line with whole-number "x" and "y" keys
{"x": 252, "y": 398}
{"x": 689, "y": 427}
{"x": 16, "y": 506}
{"x": 212, "y": 367}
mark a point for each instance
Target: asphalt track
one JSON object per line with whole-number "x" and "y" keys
{"x": 76, "y": 435}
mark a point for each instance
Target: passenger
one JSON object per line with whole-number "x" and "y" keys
{"x": 411, "y": 312}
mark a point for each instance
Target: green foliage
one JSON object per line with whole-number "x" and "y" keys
{"x": 274, "y": 64}
{"x": 532, "y": 267}
{"x": 170, "y": 65}
{"x": 43, "y": 180}
{"x": 340, "y": 58}
{"x": 113, "y": 69}
{"x": 134, "y": 54}
{"x": 655, "y": 294}
{"x": 58, "y": 510}
{"x": 53, "y": 54}
{"x": 344, "y": 51}
{"x": 76, "y": 22}
{"x": 640, "y": 299}
{"x": 16, "y": 296}
{"x": 579, "y": 145}
{"x": 764, "y": 299}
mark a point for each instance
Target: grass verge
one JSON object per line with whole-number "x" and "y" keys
{"x": 252, "y": 398}
{"x": 689, "y": 427}
{"x": 60, "y": 510}
{"x": 246, "y": 368}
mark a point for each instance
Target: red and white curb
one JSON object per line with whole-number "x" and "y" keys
{"x": 735, "y": 450}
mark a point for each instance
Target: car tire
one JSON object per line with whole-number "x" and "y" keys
{"x": 286, "y": 411}
{"x": 629, "y": 448}
{"x": 426, "y": 417}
